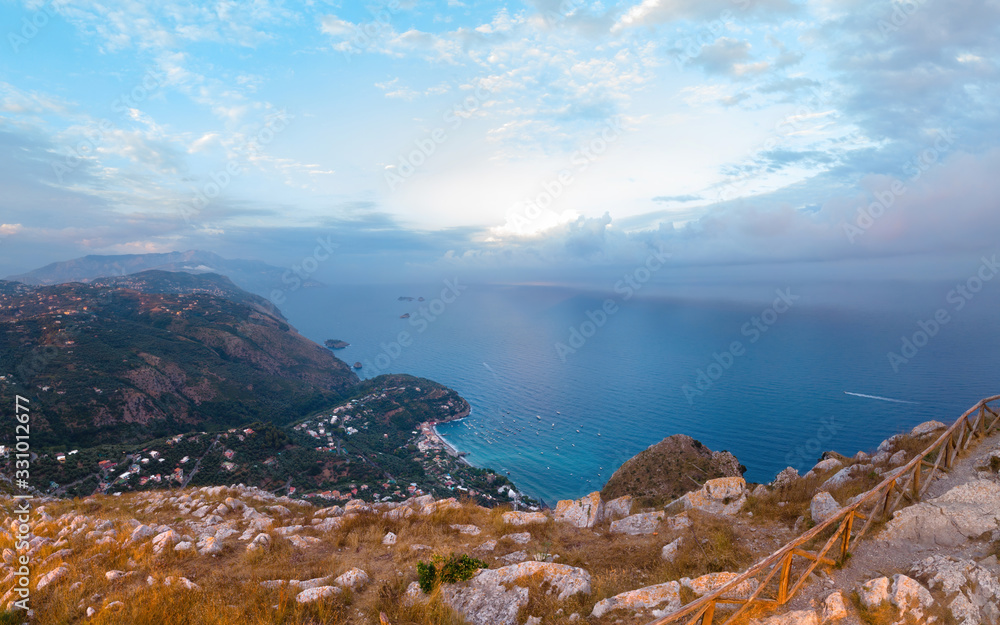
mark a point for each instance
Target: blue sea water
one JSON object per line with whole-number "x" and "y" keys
{"x": 780, "y": 401}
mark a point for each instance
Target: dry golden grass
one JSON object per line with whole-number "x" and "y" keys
{"x": 230, "y": 590}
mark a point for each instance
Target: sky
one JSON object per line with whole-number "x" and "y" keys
{"x": 545, "y": 141}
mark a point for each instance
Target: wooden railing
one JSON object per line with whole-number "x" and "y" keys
{"x": 910, "y": 482}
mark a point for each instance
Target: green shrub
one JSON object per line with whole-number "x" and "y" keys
{"x": 454, "y": 568}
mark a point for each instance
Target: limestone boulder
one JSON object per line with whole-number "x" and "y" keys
{"x": 524, "y": 518}
{"x": 354, "y": 579}
{"x": 711, "y": 582}
{"x": 485, "y": 604}
{"x": 565, "y": 580}
{"x": 584, "y": 512}
{"x": 973, "y": 588}
{"x": 874, "y": 592}
{"x": 798, "y": 617}
{"x": 786, "y": 477}
{"x": 618, "y": 508}
{"x": 964, "y": 512}
{"x": 637, "y": 524}
{"x": 822, "y": 507}
{"x": 311, "y": 595}
{"x": 666, "y": 597}
{"x": 927, "y": 427}
{"x": 833, "y": 608}
{"x": 669, "y": 551}
{"x": 724, "y": 495}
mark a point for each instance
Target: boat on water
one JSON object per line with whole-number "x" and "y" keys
{"x": 357, "y": 365}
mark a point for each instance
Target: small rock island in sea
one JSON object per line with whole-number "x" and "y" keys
{"x": 335, "y": 343}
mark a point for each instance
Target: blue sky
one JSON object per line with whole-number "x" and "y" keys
{"x": 516, "y": 141}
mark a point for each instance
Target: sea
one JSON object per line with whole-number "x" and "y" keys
{"x": 567, "y": 383}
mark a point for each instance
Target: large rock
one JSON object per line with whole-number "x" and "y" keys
{"x": 834, "y": 608}
{"x": 51, "y": 577}
{"x": 486, "y": 604}
{"x": 847, "y": 474}
{"x": 724, "y": 495}
{"x": 649, "y": 597}
{"x": 707, "y": 584}
{"x": 827, "y": 465}
{"x": 964, "y": 512}
{"x": 927, "y": 427}
{"x": 822, "y": 507}
{"x": 904, "y": 592}
{"x": 786, "y": 477}
{"x": 659, "y": 474}
{"x": 669, "y": 551}
{"x": 524, "y": 518}
{"x": 353, "y": 579}
{"x": 974, "y": 589}
{"x": 618, "y": 508}
{"x": 798, "y": 617}
{"x": 636, "y": 524}
{"x": 909, "y": 596}
{"x": 874, "y": 592}
{"x": 584, "y": 512}
{"x": 140, "y": 533}
{"x": 310, "y": 595}
{"x": 566, "y": 580}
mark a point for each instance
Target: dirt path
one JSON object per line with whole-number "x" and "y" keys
{"x": 875, "y": 557}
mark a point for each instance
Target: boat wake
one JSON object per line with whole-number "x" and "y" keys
{"x": 895, "y": 401}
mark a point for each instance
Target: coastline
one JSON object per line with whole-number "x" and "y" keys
{"x": 450, "y": 447}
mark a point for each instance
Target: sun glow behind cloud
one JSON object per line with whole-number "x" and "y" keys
{"x": 118, "y": 117}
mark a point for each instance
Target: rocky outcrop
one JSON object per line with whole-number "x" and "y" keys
{"x": 905, "y": 593}
{"x": 666, "y": 595}
{"x": 493, "y": 596}
{"x": 822, "y": 507}
{"x": 798, "y": 617}
{"x": 707, "y": 584}
{"x": 636, "y": 524}
{"x": 724, "y": 495}
{"x": 565, "y": 580}
{"x": 662, "y": 472}
{"x": 927, "y": 427}
{"x": 972, "y": 590}
{"x": 584, "y": 512}
{"x": 524, "y": 518}
{"x": 486, "y": 604}
{"x": 964, "y": 512}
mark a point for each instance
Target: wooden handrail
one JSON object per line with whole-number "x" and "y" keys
{"x": 907, "y": 480}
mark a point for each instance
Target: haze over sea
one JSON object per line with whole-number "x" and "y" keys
{"x": 782, "y": 401}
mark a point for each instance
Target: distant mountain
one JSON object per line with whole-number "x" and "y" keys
{"x": 176, "y": 282}
{"x": 117, "y": 361}
{"x": 251, "y": 275}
